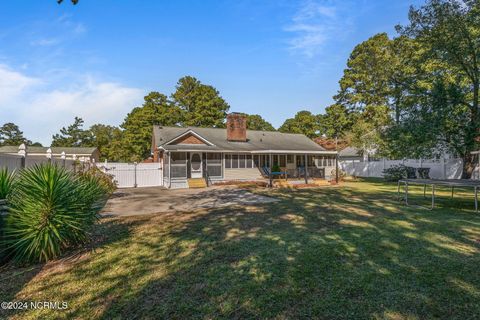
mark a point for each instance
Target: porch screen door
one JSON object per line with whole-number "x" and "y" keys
{"x": 196, "y": 165}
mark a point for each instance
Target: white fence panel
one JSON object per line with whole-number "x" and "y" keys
{"x": 149, "y": 175}
{"x": 442, "y": 169}
{"x": 128, "y": 175}
{"x": 10, "y": 161}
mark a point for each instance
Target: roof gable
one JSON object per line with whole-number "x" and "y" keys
{"x": 189, "y": 137}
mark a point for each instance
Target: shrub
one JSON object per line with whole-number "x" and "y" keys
{"x": 276, "y": 168}
{"x": 423, "y": 173}
{"x": 341, "y": 174}
{"x": 6, "y": 182}
{"x": 398, "y": 172}
{"x": 51, "y": 209}
{"x": 106, "y": 181}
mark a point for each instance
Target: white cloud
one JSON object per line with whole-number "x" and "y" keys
{"x": 13, "y": 84}
{"x": 41, "y": 107}
{"x": 314, "y": 23}
{"x": 44, "y": 42}
{"x": 79, "y": 29}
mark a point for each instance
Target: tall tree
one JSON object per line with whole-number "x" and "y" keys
{"x": 72, "y": 136}
{"x": 304, "y": 122}
{"x": 11, "y": 135}
{"x": 336, "y": 122}
{"x": 138, "y": 125}
{"x": 368, "y": 129}
{"x": 448, "y": 105}
{"x": 108, "y": 140}
{"x": 201, "y": 105}
{"x": 376, "y": 74}
{"x": 256, "y": 122}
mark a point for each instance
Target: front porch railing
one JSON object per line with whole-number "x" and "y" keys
{"x": 313, "y": 172}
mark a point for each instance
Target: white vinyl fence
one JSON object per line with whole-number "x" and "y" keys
{"x": 131, "y": 175}
{"x": 10, "y": 161}
{"x": 439, "y": 169}
{"x": 16, "y": 162}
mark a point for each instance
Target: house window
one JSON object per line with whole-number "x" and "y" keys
{"x": 214, "y": 158}
{"x": 249, "y": 161}
{"x": 300, "y": 160}
{"x": 179, "y": 157}
{"x": 178, "y": 165}
{"x": 214, "y": 165}
{"x": 311, "y": 162}
{"x": 228, "y": 161}
{"x": 241, "y": 161}
{"x": 234, "y": 161}
{"x": 275, "y": 159}
{"x": 283, "y": 160}
{"x": 290, "y": 158}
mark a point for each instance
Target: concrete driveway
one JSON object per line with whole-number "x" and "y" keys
{"x": 138, "y": 201}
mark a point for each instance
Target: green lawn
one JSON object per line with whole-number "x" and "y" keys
{"x": 348, "y": 252}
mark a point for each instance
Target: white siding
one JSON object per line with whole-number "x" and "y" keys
{"x": 242, "y": 174}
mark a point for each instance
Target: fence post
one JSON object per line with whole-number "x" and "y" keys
{"x": 22, "y": 151}
{"x": 74, "y": 158}
{"x": 384, "y": 167}
{"x": 62, "y": 156}
{"x": 49, "y": 155}
{"x": 444, "y": 169}
{"x": 135, "y": 174}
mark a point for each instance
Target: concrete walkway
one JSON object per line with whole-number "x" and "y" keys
{"x": 139, "y": 201}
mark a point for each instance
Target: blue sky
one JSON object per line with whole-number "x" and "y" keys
{"x": 99, "y": 58}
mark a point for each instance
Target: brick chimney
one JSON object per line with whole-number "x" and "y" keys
{"x": 236, "y": 127}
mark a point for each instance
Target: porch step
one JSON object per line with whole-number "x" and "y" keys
{"x": 197, "y": 183}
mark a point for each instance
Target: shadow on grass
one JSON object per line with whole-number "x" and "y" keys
{"x": 328, "y": 253}
{"x": 335, "y": 253}
{"x": 14, "y": 278}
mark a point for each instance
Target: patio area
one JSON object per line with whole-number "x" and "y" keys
{"x": 140, "y": 201}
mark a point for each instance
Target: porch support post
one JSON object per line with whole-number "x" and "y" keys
{"x": 169, "y": 169}
{"x": 336, "y": 168}
{"x": 306, "y": 169}
{"x": 296, "y": 168}
{"x": 270, "y": 170}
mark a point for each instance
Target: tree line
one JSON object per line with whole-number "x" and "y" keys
{"x": 417, "y": 94}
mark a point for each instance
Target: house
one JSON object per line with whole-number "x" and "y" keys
{"x": 235, "y": 153}
{"x": 352, "y": 154}
{"x": 89, "y": 154}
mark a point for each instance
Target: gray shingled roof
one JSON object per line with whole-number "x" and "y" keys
{"x": 350, "y": 152}
{"x": 256, "y": 140}
{"x": 55, "y": 150}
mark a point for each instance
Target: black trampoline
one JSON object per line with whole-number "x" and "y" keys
{"x": 474, "y": 184}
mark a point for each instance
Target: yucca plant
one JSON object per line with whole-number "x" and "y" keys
{"x": 6, "y": 182}
{"x": 51, "y": 209}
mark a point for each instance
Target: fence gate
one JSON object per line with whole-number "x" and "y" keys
{"x": 130, "y": 175}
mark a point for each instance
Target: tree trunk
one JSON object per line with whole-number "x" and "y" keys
{"x": 468, "y": 166}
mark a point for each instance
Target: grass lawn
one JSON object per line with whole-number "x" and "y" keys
{"x": 348, "y": 252}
